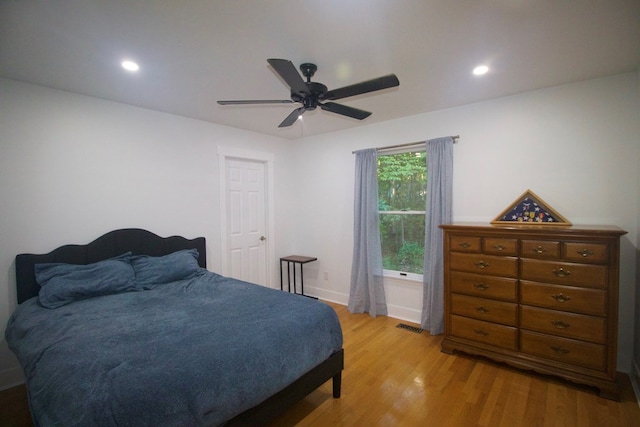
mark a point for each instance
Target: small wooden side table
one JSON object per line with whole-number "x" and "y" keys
{"x": 294, "y": 259}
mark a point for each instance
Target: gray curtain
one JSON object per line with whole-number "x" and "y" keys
{"x": 439, "y": 203}
{"x": 367, "y": 290}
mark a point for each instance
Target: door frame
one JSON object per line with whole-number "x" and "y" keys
{"x": 224, "y": 154}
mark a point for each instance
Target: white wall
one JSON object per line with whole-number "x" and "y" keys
{"x": 74, "y": 167}
{"x": 576, "y": 146}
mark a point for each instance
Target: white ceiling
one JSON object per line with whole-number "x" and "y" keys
{"x": 194, "y": 52}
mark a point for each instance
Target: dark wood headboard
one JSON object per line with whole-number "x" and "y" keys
{"x": 114, "y": 243}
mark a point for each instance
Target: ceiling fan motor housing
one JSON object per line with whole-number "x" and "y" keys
{"x": 310, "y": 101}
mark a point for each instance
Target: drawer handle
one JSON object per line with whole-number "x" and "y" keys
{"x": 465, "y": 245}
{"x": 561, "y": 297}
{"x": 559, "y": 350}
{"x": 499, "y": 248}
{"x": 480, "y": 286}
{"x": 561, "y": 272}
{"x": 482, "y": 309}
{"x": 560, "y": 324}
{"x": 586, "y": 252}
{"x": 480, "y": 332}
{"x": 481, "y": 264}
{"x": 539, "y": 250}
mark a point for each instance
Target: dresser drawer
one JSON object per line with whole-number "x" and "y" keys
{"x": 564, "y": 298}
{"x": 484, "y": 264}
{"x": 500, "y": 246}
{"x": 465, "y": 243}
{"x": 566, "y": 273}
{"x": 588, "y": 355}
{"x": 486, "y": 286}
{"x": 540, "y": 249}
{"x": 570, "y": 325}
{"x": 484, "y": 332}
{"x": 484, "y": 309}
{"x": 586, "y": 252}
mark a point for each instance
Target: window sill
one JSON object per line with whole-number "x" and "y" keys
{"x": 398, "y": 275}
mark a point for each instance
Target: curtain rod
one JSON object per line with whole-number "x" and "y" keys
{"x": 409, "y": 144}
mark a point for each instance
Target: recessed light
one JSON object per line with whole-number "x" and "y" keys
{"x": 480, "y": 70}
{"x": 130, "y": 66}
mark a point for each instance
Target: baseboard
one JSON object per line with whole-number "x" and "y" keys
{"x": 11, "y": 378}
{"x": 634, "y": 376}
{"x": 395, "y": 311}
{"x": 331, "y": 296}
{"x": 404, "y": 313}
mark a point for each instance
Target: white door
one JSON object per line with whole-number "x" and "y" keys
{"x": 246, "y": 213}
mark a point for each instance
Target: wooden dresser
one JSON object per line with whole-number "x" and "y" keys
{"x": 543, "y": 298}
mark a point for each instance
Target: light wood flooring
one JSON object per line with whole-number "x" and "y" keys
{"x": 394, "y": 377}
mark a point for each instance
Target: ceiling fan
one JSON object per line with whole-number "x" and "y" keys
{"x": 313, "y": 94}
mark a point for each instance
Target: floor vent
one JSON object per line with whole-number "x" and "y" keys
{"x": 410, "y": 328}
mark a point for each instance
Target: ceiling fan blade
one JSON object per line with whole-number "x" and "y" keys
{"x": 379, "y": 83}
{"x": 345, "y": 110}
{"x": 290, "y": 75}
{"x": 256, "y": 101}
{"x": 291, "y": 118}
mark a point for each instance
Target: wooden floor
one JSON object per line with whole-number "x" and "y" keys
{"x": 14, "y": 410}
{"x": 395, "y": 377}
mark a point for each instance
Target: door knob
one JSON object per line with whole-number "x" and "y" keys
{"x": 262, "y": 238}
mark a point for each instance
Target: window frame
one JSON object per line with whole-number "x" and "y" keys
{"x": 398, "y": 274}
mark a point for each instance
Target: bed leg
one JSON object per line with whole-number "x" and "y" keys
{"x": 337, "y": 385}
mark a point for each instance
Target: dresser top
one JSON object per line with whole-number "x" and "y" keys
{"x": 607, "y": 230}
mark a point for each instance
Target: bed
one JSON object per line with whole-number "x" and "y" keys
{"x": 174, "y": 345}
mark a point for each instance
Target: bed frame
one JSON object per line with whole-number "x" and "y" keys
{"x": 142, "y": 242}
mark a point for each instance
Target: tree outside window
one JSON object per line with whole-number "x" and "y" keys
{"x": 402, "y": 191}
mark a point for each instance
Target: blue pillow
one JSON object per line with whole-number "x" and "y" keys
{"x": 152, "y": 270}
{"x": 64, "y": 283}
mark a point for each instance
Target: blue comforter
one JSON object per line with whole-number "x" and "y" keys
{"x": 191, "y": 352}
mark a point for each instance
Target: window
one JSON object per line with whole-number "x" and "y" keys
{"x": 402, "y": 191}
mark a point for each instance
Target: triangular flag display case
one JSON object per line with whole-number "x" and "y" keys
{"x": 529, "y": 209}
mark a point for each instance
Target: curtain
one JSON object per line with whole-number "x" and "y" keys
{"x": 367, "y": 290}
{"x": 438, "y": 211}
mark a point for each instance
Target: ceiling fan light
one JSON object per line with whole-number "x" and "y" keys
{"x": 480, "y": 70}
{"x": 130, "y": 66}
